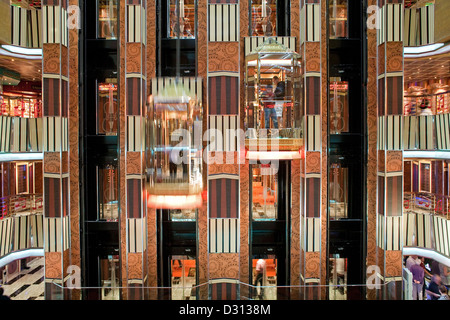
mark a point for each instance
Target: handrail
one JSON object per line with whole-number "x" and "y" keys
{"x": 16, "y": 204}
{"x": 429, "y": 202}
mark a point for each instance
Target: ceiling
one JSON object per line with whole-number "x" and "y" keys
{"x": 427, "y": 68}
{"x": 29, "y": 70}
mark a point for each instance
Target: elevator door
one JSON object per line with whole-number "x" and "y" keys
{"x": 183, "y": 271}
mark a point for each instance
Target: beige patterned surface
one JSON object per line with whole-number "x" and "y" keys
{"x": 224, "y": 265}
{"x": 223, "y": 56}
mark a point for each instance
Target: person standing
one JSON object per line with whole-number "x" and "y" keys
{"x": 418, "y": 280}
{"x": 412, "y": 260}
{"x": 260, "y": 268}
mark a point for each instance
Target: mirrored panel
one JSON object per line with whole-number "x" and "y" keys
{"x": 107, "y": 19}
{"x": 264, "y": 17}
{"x": 107, "y": 193}
{"x": 339, "y": 110}
{"x": 338, "y": 17}
{"x": 107, "y": 107}
{"x": 181, "y": 19}
{"x": 264, "y": 192}
{"x": 338, "y": 192}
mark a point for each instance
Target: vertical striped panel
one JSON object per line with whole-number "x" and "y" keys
{"x": 52, "y": 24}
{"x": 66, "y": 232}
{"x": 313, "y": 234}
{"x": 35, "y": 134}
{"x": 19, "y": 134}
{"x": 52, "y": 235}
{"x": 224, "y": 235}
{"x": 425, "y": 34}
{"x": 223, "y": 95}
{"x": 410, "y": 132}
{"x": 35, "y": 28}
{"x": 410, "y": 27}
{"x": 136, "y": 235}
{"x": 137, "y": 25}
{"x": 37, "y": 230}
{"x": 19, "y": 22}
{"x": 5, "y": 134}
{"x": 313, "y": 191}
{"x": 193, "y": 84}
{"x": 394, "y": 132}
{"x": 381, "y": 232}
{"x": 251, "y": 43}
{"x": 425, "y": 132}
{"x": 223, "y": 133}
{"x": 224, "y": 291}
{"x": 6, "y": 227}
{"x": 134, "y": 198}
{"x": 55, "y": 134}
{"x": 223, "y": 198}
{"x": 312, "y": 16}
{"x": 443, "y": 131}
{"x": 391, "y": 19}
{"x": 312, "y": 95}
{"x": 394, "y": 195}
{"x": 223, "y": 22}
{"x": 409, "y": 231}
{"x": 314, "y": 133}
{"x": 135, "y": 136}
{"x": 393, "y": 233}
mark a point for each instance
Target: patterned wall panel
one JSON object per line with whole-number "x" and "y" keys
{"x": 190, "y": 83}
{"x": 425, "y": 32}
{"x": 223, "y": 98}
{"x": 223, "y": 134}
{"x": 224, "y": 235}
{"x": 5, "y": 134}
{"x": 223, "y": 22}
{"x": 391, "y": 21}
{"x": 393, "y": 233}
{"x": 19, "y": 25}
{"x": 223, "y": 196}
{"x": 410, "y": 27}
{"x": 136, "y": 29}
{"x": 310, "y": 23}
{"x": 390, "y": 132}
{"x": 251, "y": 43}
{"x": 55, "y": 131}
{"x": 55, "y": 25}
{"x": 314, "y": 133}
{"x": 410, "y": 132}
{"x": 19, "y": 134}
{"x": 443, "y": 131}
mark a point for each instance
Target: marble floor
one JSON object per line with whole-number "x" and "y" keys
{"x": 27, "y": 284}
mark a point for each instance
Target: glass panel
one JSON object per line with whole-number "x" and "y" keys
{"x": 273, "y": 96}
{"x": 109, "y": 272}
{"x": 338, "y": 192}
{"x": 108, "y": 193}
{"x": 183, "y": 276}
{"x": 264, "y": 193}
{"x": 18, "y": 106}
{"x": 264, "y": 17}
{"x": 182, "y": 215}
{"x": 339, "y": 113}
{"x": 338, "y": 19}
{"x": 265, "y": 278}
{"x": 425, "y": 177}
{"x": 338, "y": 278}
{"x": 21, "y": 178}
{"x": 107, "y": 107}
{"x": 182, "y": 19}
{"x": 107, "y": 19}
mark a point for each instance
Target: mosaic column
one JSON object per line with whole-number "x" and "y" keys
{"x": 133, "y": 217}
{"x": 223, "y": 169}
{"x": 55, "y": 84}
{"x": 390, "y": 154}
{"x": 372, "y": 149}
{"x": 312, "y": 212}
{"x": 74, "y": 121}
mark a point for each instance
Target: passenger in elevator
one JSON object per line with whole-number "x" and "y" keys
{"x": 260, "y": 268}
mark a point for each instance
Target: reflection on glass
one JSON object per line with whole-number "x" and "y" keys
{"x": 109, "y": 272}
{"x": 108, "y": 193}
{"x": 107, "y": 107}
{"x": 264, "y": 193}
{"x": 175, "y": 142}
{"x": 338, "y": 192}
{"x": 22, "y": 178}
{"x": 425, "y": 176}
{"x": 338, "y": 19}
{"x": 338, "y": 278}
{"x": 264, "y": 17}
{"x": 339, "y": 115}
{"x": 182, "y": 19}
{"x": 273, "y": 92}
{"x": 182, "y": 215}
{"x": 107, "y": 19}
{"x": 183, "y": 275}
{"x": 20, "y": 106}
{"x": 264, "y": 278}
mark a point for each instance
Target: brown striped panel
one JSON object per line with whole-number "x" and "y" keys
{"x": 134, "y": 2}
{"x": 64, "y": 98}
{"x": 381, "y": 195}
{"x": 313, "y": 197}
{"x": 407, "y": 173}
{"x": 223, "y": 95}
{"x": 381, "y": 97}
{"x": 394, "y": 95}
{"x": 65, "y": 196}
{"x": 394, "y": 196}
{"x": 223, "y": 198}
{"x": 224, "y": 291}
{"x": 312, "y": 97}
{"x": 134, "y": 198}
{"x": 51, "y": 92}
{"x": 135, "y": 289}
{"x": 134, "y": 95}
{"x": 50, "y": 2}
{"x": 52, "y": 197}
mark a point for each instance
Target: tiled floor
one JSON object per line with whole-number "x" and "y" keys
{"x": 28, "y": 284}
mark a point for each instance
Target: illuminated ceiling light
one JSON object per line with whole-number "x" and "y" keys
{"x": 422, "y": 49}
{"x": 19, "y": 52}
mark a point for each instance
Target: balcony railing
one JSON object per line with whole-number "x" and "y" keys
{"x": 427, "y": 203}
{"x": 21, "y": 204}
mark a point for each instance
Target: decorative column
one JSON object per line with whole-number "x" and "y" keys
{"x": 313, "y": 176}
{"x": 133, "y": 216}
{"x": 390, "y": 154}
{"x": 74, "y": 120}
{"x": 55, "y": 84}
{"x": 223, "y": 168}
